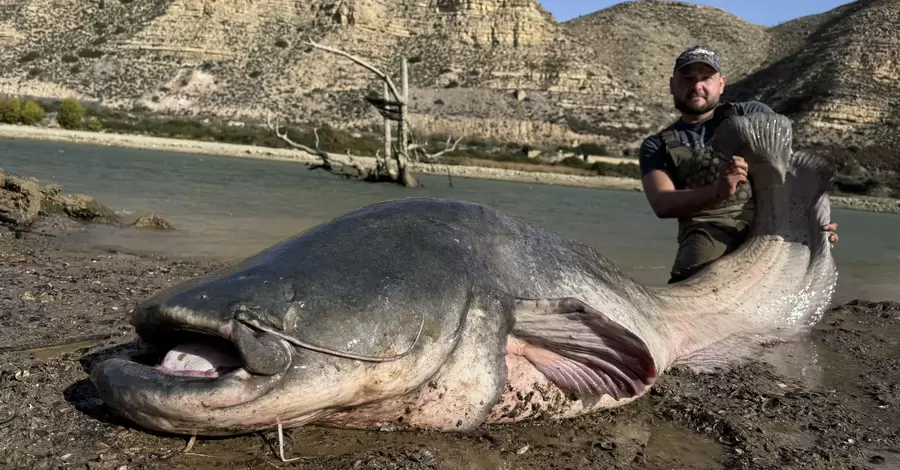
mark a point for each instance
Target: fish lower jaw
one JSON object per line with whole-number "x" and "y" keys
{"x": 183, "y": 401}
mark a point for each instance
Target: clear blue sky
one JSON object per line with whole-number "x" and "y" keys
{"x": 761, "y": 12}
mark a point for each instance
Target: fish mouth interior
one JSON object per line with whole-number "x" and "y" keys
{"x": 188, "y": 352}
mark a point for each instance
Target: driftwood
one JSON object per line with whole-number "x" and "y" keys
{"x": 392, "y": 166}
{"x": 420, "y": 155}
{"x": 344, "y": 166}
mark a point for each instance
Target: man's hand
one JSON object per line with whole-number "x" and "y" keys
{"x": 731, "y": 173}
{"x": 833, "y": 236}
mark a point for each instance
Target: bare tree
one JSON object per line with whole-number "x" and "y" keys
{"x": 393, "y": 107}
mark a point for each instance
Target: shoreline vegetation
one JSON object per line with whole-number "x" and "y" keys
{"x": 72, "y": 122}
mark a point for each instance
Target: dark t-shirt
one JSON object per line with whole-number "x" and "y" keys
{"x": 695, "y": 164}
{"x": 653, "y": 154}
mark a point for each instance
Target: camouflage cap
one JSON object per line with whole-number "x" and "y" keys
{"x": 698, "y": 55}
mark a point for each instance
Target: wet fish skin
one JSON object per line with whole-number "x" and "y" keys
{"x": 506, "y": 321}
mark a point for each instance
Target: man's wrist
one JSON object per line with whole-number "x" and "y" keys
{"x": 713, "y": 193}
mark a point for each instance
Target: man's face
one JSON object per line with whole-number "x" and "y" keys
{"x": 696, "y": 89}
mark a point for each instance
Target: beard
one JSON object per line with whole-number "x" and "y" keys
{"x": 682, "y": 105}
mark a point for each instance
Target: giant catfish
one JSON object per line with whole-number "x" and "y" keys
{"x": 446, "y": 315}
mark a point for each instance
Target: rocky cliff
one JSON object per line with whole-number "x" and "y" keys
{"x": 838, "y": 75}
{"x": 503, "y": 69}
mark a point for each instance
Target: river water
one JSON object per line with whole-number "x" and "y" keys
{"x": 232, "y": 207}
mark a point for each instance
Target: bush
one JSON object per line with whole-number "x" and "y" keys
{"x": 29, "y": 57}
{"x": 32, "y": 113}
{"x": 623, "y": 170}
{"x": 11, "y": 110}
{"x": 71, "y": 114}
{"x": 94, "y": 124}
{"x": 14, "y": 111}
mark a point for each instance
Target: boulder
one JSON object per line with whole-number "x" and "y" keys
{"x": 23, "y": 200}
{"x": 152, "y": 221}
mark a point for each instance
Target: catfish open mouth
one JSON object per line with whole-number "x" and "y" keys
{"x": 190, "y": 354}
{"x": 186, "y": 376}
{"x": 184, "y": 350}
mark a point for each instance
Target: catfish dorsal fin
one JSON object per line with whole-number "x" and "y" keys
{"x": 763, "y": 139}
{"x": 581, "y": 350}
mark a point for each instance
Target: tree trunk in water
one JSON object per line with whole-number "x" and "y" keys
{"x": 406, "y": 177}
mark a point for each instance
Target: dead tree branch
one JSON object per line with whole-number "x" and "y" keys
{"x": 274, "y": 127}
{"x": 343, "y": 166}
{"x": 422, "y": 156}
{"x": 390, "y": 83}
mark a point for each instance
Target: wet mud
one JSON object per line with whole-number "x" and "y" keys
{"x": 832, "y": 403}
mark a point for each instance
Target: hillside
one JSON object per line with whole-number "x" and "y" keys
{"x": 640, "y": 40}
{"x": 497, "y": 69}
{"x": 840, "y": 80}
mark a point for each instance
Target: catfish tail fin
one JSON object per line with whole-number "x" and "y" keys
{"x": 811, "y": 173}
{"x": 763, "y": 139}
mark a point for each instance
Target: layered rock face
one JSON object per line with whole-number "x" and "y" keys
{"x": 502, "y": 69}
{"x": 840, "y": 79}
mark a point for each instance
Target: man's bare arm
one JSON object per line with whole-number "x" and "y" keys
{"x": 668, "y": 202}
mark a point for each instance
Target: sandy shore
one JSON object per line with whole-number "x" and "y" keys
{"x": 265, "y": 153}
{"x": 62, "y": 309}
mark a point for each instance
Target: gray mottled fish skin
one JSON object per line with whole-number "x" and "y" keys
{"x": 516, "y": 322}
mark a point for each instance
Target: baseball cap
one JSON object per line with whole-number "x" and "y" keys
{"x": 698, "y": 55}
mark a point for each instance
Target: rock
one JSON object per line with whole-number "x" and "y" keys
{"x": 20, "y": 200}
{"x": 23, "y": 200}
{"x": 86, "y": 208}
{"x": 152, "y": 221}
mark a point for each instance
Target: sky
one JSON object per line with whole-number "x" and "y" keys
{"x": 761, "y": 12}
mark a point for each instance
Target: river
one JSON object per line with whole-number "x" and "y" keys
{"x": 232, "y": 207}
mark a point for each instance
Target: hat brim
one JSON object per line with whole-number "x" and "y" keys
{"x": 698, "y": 61}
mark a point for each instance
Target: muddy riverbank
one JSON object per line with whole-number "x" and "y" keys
{"x": 60, "y": 307}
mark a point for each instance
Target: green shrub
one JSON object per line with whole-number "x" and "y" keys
{"x": 71, "y": 114}
{"x": 11, "y": 110}
{"x": 94, "y": 124}
{"x": 32, "y": 113}
{"x": 624, "y": 170}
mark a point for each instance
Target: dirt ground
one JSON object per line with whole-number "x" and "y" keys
{"x": 60, "y": 305}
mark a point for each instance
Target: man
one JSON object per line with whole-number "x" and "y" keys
{"x": 684, "y": 178}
